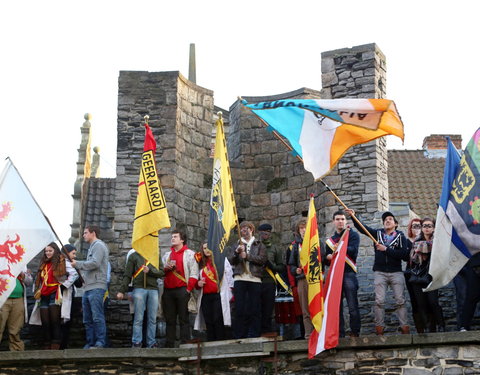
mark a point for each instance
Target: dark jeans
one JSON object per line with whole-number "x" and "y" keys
{"x": 349, "y": 292}
{"x": 247, "y": 309}
{"x": 175, "y": 303}
{"x": 460, "y": 282}
{"x": 268, "y": 303}
{"x": 428, "y": 301}
{"x": 213, "y": 316}
{"x": 472, "y": 297}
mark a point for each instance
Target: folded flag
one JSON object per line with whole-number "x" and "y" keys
{"x": 223, "y": 214}
{"x": 151, "y": 213}
{"x": 321, "y": 131}
{"x": 24, "y": 230}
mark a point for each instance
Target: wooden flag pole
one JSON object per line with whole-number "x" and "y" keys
{"x": 275, "y": 133}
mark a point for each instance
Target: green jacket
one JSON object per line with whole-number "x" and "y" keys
{"x": 143, "y": 280}
{"x": 275, "y": 261}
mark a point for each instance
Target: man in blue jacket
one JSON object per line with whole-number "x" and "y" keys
{"x": 390, "y": 249}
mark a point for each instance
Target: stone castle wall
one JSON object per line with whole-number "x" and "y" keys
{"x": 181, "y": 121}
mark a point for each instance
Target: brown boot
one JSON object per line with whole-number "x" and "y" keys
{"x": 54, "y": 346}
{"x": 379, "y": 330}
{"x": 405, "y": 330}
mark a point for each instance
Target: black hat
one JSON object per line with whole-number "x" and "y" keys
{"x": 69, "y": 248}
{"x": 265, "y": 227}
{"x": 387, "y": 214}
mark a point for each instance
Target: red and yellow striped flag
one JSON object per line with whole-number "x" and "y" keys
{"x": 310, "y": 259}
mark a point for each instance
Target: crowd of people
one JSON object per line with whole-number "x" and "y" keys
{"x": 257, "y": 284}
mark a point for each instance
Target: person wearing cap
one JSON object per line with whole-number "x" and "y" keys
{"x": 391, "y": 248}
{"x": 274, "y": 265}
{"x": 248, "y": 258}
{"x": 350, "y": 282}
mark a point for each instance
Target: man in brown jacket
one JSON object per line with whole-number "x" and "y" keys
{"x": 248, "y": 259}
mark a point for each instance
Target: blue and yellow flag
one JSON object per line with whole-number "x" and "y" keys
{"x": 151, "y": 213}
{"x": 223, "y": 213}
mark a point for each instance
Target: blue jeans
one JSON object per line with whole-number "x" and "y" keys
{"x": 145, "y": 299}
{"x": 349, "y": 291}
{"x": 94, "y": 318}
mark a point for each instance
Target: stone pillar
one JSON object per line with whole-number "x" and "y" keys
{"x": 360, "y": 72}
{"x": 83, "y": 173}
{"x": 181, "y": 120}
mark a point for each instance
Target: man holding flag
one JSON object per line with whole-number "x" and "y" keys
{"x": 350, "y": 282}
{"x": 390, "y": 249}
{"x": 145, "y": 297}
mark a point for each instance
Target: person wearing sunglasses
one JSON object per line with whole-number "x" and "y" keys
{"x": 420, "y": 257}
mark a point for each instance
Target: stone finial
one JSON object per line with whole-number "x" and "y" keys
{"x": 96, "y": 162}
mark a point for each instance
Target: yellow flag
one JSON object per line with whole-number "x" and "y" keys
{"x": 223, "y": 213}
{"x": 151, "y": 213}
{"x": 311, "y": 263}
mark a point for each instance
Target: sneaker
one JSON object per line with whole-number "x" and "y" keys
{"x": 154, "y": 346}
{"x": 137, "y": 345}
{"x": 463, "y": 329}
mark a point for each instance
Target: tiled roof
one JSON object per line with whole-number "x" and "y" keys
{"x": 98, "y": 206}
{"x": 415, "y": 179}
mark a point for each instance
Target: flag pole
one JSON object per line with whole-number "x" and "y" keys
{"x": 220, "y": 116}
{"x": 62, "y": 249}
{"x": 275, "y": 133}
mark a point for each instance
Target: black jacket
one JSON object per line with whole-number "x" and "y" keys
{"x": 352, "y": 247}
{"x": 389, "y": 260}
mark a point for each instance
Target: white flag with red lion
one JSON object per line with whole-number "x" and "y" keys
{"x": 24, "y": 230}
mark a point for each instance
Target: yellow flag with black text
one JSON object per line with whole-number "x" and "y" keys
{"x": 151, "y": 213}
{"x": 223, "y": 213}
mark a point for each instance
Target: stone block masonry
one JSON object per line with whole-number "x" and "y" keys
{"x": 181, "y": 120}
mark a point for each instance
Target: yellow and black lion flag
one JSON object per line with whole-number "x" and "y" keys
{"x": 223, "y": 213}
{"x": 151, "y": 213}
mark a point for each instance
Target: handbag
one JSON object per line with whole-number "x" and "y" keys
{"x": 419, "y": 275}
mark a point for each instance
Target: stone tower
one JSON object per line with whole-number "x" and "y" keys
{"x": 181, "y": 120}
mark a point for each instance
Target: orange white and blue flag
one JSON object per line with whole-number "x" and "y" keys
{"x": 310, "y": 260}
{"x": 24, "y": 229}
{"x": 321, "y": 131}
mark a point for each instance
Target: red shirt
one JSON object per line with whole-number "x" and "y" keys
{"x": 208, "y": 273}
{"x": 49, "y": 282}
{"x": 173, "y": 281}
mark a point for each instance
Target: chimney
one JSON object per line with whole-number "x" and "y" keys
{"x": 192, "y": 69}
{"x": 435, "y": 145}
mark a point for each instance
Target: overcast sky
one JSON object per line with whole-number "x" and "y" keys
{"x": 61, "y": 59}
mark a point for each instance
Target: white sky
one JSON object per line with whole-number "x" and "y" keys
{"x": 61, "y": 59}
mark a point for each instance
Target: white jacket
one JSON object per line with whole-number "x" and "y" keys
{"x": 66, "y": 297}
